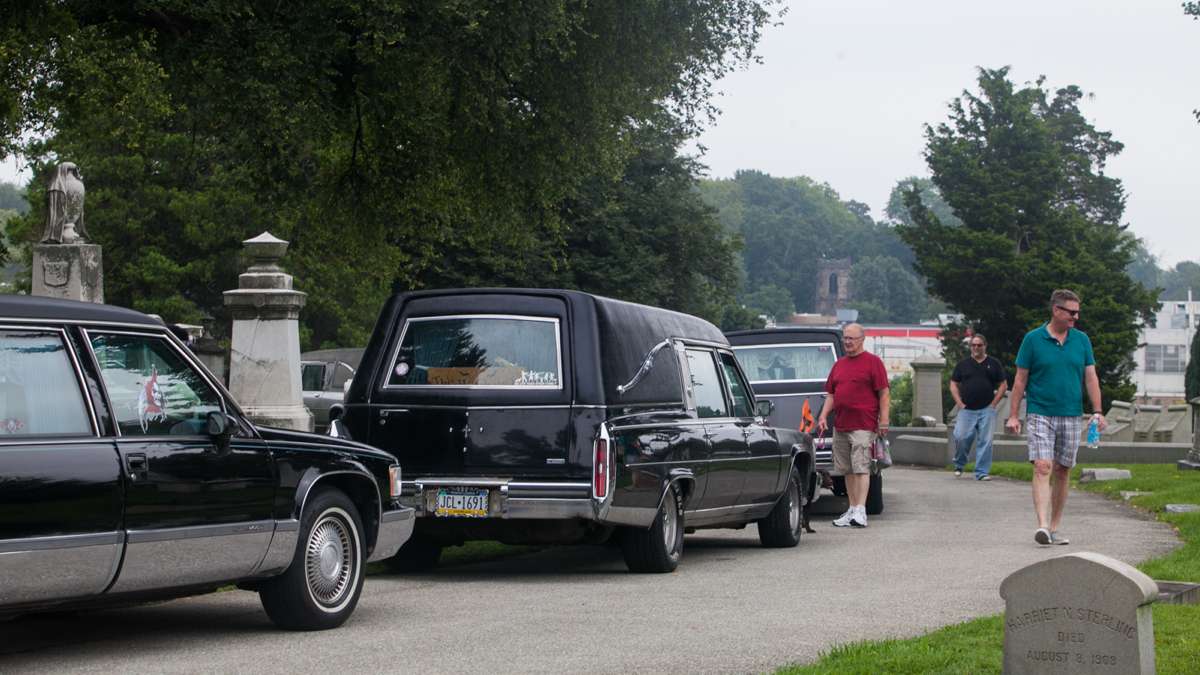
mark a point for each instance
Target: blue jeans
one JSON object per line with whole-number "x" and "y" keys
{"x": 972, "y": 425}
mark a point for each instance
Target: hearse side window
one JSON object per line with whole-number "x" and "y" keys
{"x": 706, "y": 384}
{"x": 312, "y": 376}
{"x": 39, "y": 391}
{"x": 479, "y": 351}
{"x": 153, "y": 390}
{"x": 737, "y": 388}
{"x": 786, "y": 363}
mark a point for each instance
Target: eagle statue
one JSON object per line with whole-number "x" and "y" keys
{"x": 64, "y": 213}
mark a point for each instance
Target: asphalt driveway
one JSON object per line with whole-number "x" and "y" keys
{"x": 935, "y": 557}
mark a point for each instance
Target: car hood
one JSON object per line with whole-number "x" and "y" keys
{"x": 275, "y": 434}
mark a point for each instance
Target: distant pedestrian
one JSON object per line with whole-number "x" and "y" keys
{"x": 1054, "y": 365}
{"x": 858, "y": 385}
{"x": 977, "y": 385}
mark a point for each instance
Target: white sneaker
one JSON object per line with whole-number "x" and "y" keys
{"x": 844, "y": 519}
{"x": 859, "y": 519}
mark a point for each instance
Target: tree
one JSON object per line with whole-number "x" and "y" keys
{"x": 371, "y": 134}
{"x": 1176, "y": 282}
{"x": 773, "y": 301}
{"x": 1024, "y": 171}
{"x": 1144, "y": 267}
{"x": 886, "y": 283}
{"x": 1193, "y": 8}
{"x": 930, "y": 198}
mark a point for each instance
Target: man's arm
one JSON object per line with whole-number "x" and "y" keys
{"x": 1000, "y": 393}
{"x": 885, "y": 402}
{"x": 822, "y": 425}
{"x": 1092, "y": 380}
{"x": 1018, "y": 392}
{"x": 958, "y": 402}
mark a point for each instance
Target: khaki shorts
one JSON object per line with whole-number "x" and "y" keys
{"x": 852, "y": 451}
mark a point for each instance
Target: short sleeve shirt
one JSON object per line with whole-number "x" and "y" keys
{"x": 855, "y": 383}
{"x": 978, "y": 382}
{"x": 1056, "y": 371}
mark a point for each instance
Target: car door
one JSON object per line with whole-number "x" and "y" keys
{"x": 195, "y": 511}
{"x": 764, "y": 457}
{"x": 314, "y": 377}
{"x": 60, "y": 482}
{"x": 728, "y": 452}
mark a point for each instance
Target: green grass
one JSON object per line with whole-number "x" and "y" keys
{"x": 977, "y": 646}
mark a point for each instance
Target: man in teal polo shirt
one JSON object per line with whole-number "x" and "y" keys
{"x": 1054, "y": 362}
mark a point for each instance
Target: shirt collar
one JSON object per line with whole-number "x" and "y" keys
{"x": 1050, "y": 336}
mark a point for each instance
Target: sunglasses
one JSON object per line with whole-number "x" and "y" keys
{"x": 1072, "y": 312}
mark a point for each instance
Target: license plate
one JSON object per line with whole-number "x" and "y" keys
{"x": 462, "y": 503}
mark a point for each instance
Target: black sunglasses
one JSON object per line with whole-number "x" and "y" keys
{"x": 1072, "y": 312}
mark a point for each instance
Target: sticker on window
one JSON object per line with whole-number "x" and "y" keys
{"x": 151, "y": 402}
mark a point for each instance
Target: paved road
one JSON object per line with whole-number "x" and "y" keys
{"x": 936, "y": 557}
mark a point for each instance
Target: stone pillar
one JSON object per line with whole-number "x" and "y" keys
{"x": 1193, "y": 459}
{"x": 927, "y": 387}
{"x": 69, "y": 271}
{"x": 264, "y": 358}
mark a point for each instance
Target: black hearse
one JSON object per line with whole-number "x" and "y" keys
{"x": 128, "y": 473}
{"x": 788, "y": 367}
{"x": 547, "y": 416}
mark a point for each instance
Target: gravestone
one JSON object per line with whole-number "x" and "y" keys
{"x": 264, "y": 357}
{"x": 1095, "y": 475}
{"x": 65, "y": 265}
{"x": 927, "y": 387}
{"x": 1144, "y": 421}
{"x": 1193, "y": 459}
{"x": 1078, "y": 613}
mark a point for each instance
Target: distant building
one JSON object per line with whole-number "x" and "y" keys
{"x": 833, "y": 285}
{"x": 1162, "y": 354}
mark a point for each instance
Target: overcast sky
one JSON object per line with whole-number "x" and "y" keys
{"x": 845, "y": 87}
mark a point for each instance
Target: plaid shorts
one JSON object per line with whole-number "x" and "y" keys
{"x": 1055, "y": 438}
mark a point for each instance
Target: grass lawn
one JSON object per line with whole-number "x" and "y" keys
{"x": 977, "y": 646}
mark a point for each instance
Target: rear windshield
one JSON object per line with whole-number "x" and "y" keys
{"x": 787, "y": 363}
{"x": 479, "y": 351}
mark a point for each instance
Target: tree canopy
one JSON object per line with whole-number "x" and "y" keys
{"x": 1024, "y": 171}
{"x": 389, "y": 142}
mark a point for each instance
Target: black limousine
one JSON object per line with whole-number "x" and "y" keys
{"x": 546, "y": 416}
{"x": 128, "y": 473}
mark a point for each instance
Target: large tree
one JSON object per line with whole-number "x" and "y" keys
{"x": 885, "y": 290}
{"x": 1024, "y": 171}
{"x": 373, "y": 134}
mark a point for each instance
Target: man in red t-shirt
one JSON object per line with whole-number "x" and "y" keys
{"x": 858, "y": 385}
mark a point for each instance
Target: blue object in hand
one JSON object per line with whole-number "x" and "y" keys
{"x": 1093, "y": 434}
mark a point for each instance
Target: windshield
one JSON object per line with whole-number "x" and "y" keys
{"x": 787, "y": 363}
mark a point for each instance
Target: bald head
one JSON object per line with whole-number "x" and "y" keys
{"x": 852, "y": 339}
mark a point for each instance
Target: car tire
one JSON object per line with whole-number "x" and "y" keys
{"x": 875, "y": 495}
{"x": 418, "y": 554}
{"x": 782, "y": 527}
{"x": 658, "y": 548}
{"x": 321, "y": 587}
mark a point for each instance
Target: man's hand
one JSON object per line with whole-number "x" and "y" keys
{"x": 822, "y": 427}
{"x": 1013, "y": 425}
{"x": 883, "y": 428}
{"x": 1101, "y": 423}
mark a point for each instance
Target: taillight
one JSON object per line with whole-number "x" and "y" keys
{"x": 600, "y": 469}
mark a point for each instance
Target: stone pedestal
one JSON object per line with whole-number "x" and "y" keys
{"x": 927, "y": 387}
{"x": 1193, "y": 459}
{"x": 264, "y": 359}
{"x": 68, "y": 271}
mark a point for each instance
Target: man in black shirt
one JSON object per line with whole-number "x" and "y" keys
{"x": 977, "y": 385}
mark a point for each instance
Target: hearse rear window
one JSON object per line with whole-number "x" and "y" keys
{"x": 786, "y": 363}
{"x": 479, "y": 351}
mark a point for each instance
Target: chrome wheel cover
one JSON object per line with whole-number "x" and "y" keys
{"x": 793, "y": 497}
{"x": 329, "y": 561}
{"x": 670, "y": 523}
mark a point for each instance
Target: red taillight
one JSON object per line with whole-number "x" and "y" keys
{"x": 600, "y": 469}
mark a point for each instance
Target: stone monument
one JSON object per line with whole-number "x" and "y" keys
{"x": 264, "y": 359}
{"x": 1193, "y": 459}
{"x": 1078, "y": 613}
{"x": 927, "y": 387}
{"x": 65, "y": 265}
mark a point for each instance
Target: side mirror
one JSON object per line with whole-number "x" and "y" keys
{"x": 765, "y": 407}
{"x": 220, "y": 427}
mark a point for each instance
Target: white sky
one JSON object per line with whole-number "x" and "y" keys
{"x": 845, "y": 88}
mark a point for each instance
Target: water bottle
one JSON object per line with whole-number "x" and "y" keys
{"x": 1093, "y": 436}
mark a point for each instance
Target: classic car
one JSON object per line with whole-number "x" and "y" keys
{"x": 551, "y": 416}
{"x": 788, "y": 366}
{"x": 128, "y": 473}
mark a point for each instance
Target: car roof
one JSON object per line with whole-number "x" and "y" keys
{"x": 56, "y": 309}
{"x": 787, "y": 334}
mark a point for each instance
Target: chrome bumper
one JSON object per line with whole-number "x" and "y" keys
{"x": 395, "y": 527}
{"x": 508, "y": 499}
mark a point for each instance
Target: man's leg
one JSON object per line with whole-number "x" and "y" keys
{"x": 1042, "y": 469}
{"x": 1059, "y": 485}
{"x": 983, "y": 447}
{"x": 857, "y": 486}
{"x": 964, "y": 434}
